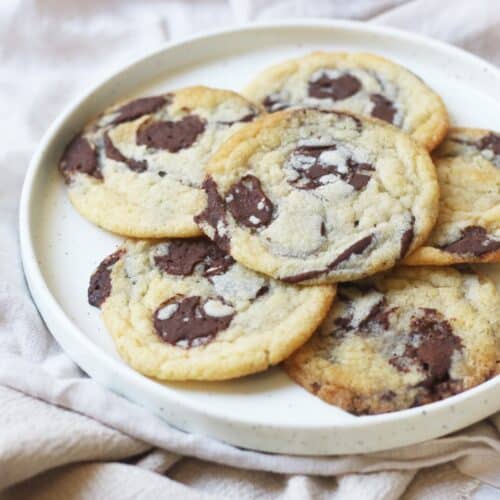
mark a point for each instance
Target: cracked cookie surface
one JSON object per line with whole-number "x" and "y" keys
{"x": 137, "y": 169}
{"x": 401, "y": 339}
{"x": 310, "y": 196}
{"x": 182, "y": 309}
{"x": 468, "y": 225}
{"x": 360, "y": 83}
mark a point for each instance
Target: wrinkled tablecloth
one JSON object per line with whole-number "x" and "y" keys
{"x": 64, "y": 436}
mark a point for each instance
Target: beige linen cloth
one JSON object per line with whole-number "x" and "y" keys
{"x": 62, "y": 435}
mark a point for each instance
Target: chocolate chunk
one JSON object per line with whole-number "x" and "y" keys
{"x": 79, "y": 156}
{"x": 248, "y": 118}
{"x": 214, "y": 214}
{"x": 138, "y": 108}
{"x": 185, "y": 320}
{"x": 273, "y": 103}
{"x": 312, "y": 172}
{"x": 314, "y": 151}
{"x": 475, "y": 241}
{"x": 334, "y": 88}
{"x": 169, "y": 135}
{"x": 356, "y": 249}
{"x": 100, "y": 282}
{"x": 216, "y": 262}
{"x": 182, "y": 256}
{"x": 358, "y": 181}
{"x": 383, "y": 108}
{"x": 407, "y": 238}
{"x": 185, "y": 254}
{"x": 432, "y": 346}
{"x": 114, "y": 154}
{"x": 441, "y": 390}
{"x": 343, "y": 322}
{"x": 378, "y": 317}
{"x": 248, "y": 204}
{"x": 490, "y": 141}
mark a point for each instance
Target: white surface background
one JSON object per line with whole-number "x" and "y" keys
{"x": 49, "y": 52}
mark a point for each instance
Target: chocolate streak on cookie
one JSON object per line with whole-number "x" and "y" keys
{"x": 139, "y": 107}
{"x": 490, "y": 141}
{"x": 245, "y": 119}
{"x": 79, "y": 156}
{"x": 309, "y": 275}
{"x": 474, "y": 241}
{"x": 114, "y": 154}
{"x": 100, "y": 282}
{"x": 214, "y": 214}
{"x": 273, "y": 103}
{"x": 407, "y": 238}
{"x": 170, "y": 135}
{"x": 188, "y": 321}
{"x": 357, "y": 248}
{"x": 334, "y": 88}
{"x": 248, "y": 203}
{"x": 383, "y": 108}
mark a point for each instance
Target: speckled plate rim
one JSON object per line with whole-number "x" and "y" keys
{"x": 415, "y": 425}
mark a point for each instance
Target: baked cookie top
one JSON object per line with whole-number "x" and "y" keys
{"x": 402, "y": 339}
{"x": 137, "y": 169}
{"x": 358, "y": 83}
{"x": 468, "y": 226}
{"x": 310, "y": 196}
{"x": 182, "y": 309}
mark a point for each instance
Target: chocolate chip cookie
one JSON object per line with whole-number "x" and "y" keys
{"x": 468, "y": 226}
{"x": 355, "y": 82}
{"x": 182, "y": 309}
{"x": 313, "y": 196}
{"x": 403, "y": 339}
{"x": 137, "y": 169}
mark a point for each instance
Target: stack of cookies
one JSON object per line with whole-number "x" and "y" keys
{"x": 304, "y": 223}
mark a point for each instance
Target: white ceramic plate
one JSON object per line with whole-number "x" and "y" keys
{"x": 267, "y": 411}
